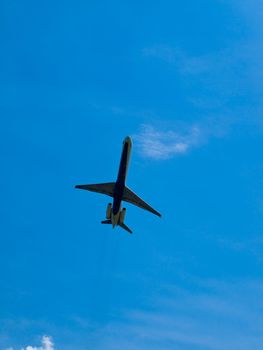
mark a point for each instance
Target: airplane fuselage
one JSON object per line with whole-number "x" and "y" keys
{"x": 120, "y": 182}
{"x": 118, "y": 191}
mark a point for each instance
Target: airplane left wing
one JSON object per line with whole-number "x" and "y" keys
{"x": 105, "y": 188}
{"x": 131, "y": 197}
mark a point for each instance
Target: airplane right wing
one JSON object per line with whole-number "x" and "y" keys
{"x": 105, "y": 188}
{"x": 131, "y": 197}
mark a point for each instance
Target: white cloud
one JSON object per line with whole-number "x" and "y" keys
{"x": 47, "y": 344}
{"x": 46, "y": 341}
{"x": 157, "y": 144}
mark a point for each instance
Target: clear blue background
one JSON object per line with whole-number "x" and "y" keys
{"x": 76, "y": 77}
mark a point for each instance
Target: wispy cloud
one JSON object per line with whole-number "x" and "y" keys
{"x": 158, "y": 144}
{"x": 164, "y": 52}
{"x": 216, "y": 316}
{"x": 252, "y": 246}
{"x": 227, "y": 82}
{"x": 174, "y": 55}
{"x": 204, "y": 314}
{"x": 230, "y": 76}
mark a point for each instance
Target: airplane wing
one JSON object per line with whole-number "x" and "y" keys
{"x": 105, "y": 188}
{"x": 131, "y": 197}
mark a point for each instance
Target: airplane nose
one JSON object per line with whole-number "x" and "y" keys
{"x": 128, "y": 140}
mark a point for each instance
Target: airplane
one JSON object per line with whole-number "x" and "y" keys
{"x": 118, "y": 190}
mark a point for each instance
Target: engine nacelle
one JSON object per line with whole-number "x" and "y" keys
{"x": 122, "y": 215}
{"x": 108, "y": 211}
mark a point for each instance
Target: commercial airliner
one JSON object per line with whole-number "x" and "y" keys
{"x": 118, "y": 190}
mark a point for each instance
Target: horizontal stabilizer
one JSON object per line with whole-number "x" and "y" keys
{"x": 104, "y": 188}
{"x": 131, "y": 197}
{"x": 106, "y": 222}
{"x": 125, "y": 227}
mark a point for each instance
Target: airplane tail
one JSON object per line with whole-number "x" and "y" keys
{"x": 122, "y": 225}
{"x": 126, "y": 228}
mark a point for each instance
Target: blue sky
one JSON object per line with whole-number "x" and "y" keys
{"x": 184, "y": 80}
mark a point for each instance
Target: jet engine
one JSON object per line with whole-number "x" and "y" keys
{"x": 122, "y": 216}
{"x": 108, "y": 211}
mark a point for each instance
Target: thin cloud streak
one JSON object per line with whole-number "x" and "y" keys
{"x": 210, "y": 64}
